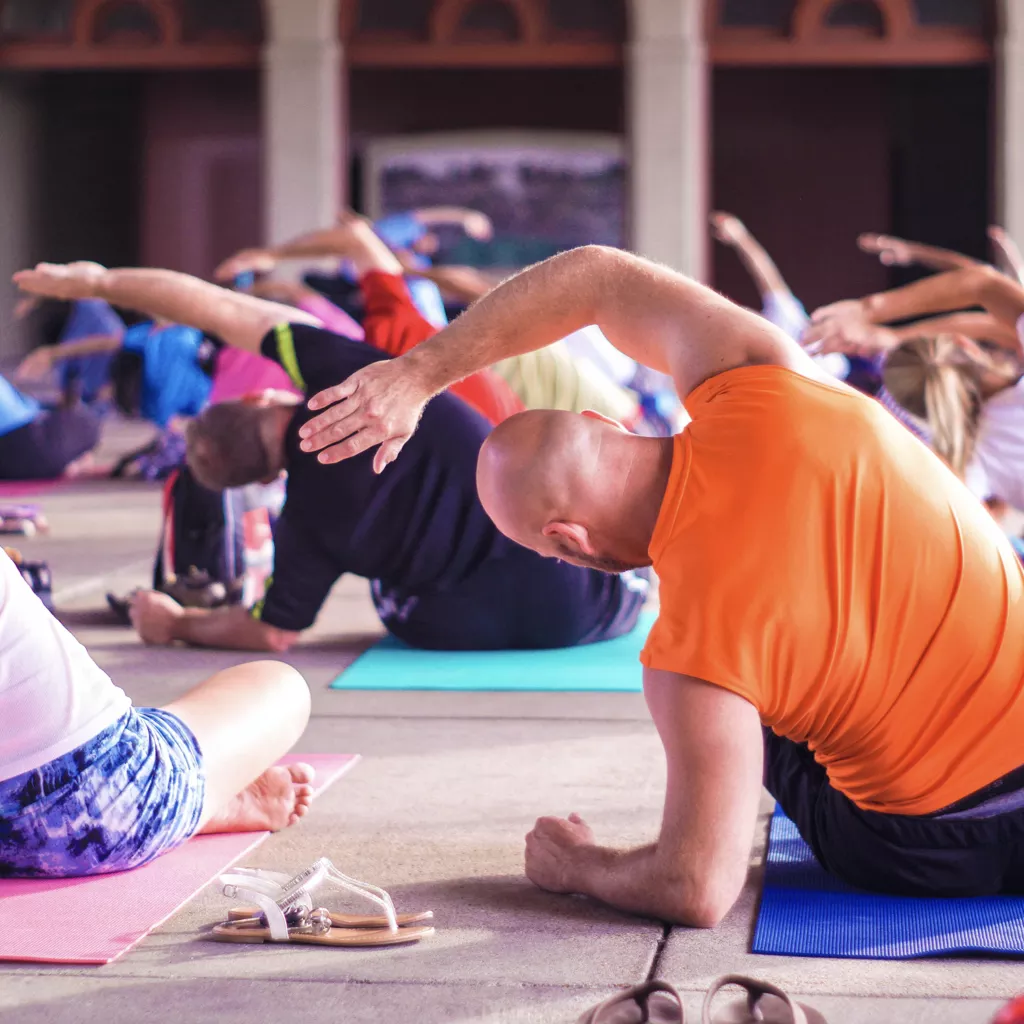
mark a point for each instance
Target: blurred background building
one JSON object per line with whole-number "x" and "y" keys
{"x": 172, "y": 132}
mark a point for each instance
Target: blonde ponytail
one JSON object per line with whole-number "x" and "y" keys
{"x": 935, "y": 380}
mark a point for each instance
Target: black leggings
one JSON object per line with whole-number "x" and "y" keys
{"x": 42, "y": 449}
{"x": 926, "y": 855}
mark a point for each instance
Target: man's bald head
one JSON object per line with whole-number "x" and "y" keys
{"x": 553, "y": 481}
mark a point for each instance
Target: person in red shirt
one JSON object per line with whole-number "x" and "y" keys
{"x": 840, "y": 618}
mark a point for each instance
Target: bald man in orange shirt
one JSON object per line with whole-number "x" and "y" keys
{"x": 839, "y": 617}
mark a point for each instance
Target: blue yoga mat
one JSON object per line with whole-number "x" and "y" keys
{"x": 610, "y": 666}
{"x": 807, "y": 912}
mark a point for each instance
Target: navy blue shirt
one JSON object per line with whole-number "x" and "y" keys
{"x": 418, "y": 527}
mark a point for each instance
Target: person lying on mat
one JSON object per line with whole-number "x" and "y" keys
{"x": 90, "y": 784}
{"x": 442, "y": 576}
{"x": 839, "y": 616}
{"x": 37, "y": 443}
{"x": 161, "y": 370}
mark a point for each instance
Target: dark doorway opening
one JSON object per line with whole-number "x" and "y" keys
{"x": 811, "y": 157}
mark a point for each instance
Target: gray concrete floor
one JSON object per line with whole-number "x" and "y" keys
{"x": 436, "y": 812}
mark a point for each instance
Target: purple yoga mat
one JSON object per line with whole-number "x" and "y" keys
{"x": 95, "y": 920}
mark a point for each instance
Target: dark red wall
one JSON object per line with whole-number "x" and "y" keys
{"x": 810, "y": 158}
{"x": 202, "y": 184}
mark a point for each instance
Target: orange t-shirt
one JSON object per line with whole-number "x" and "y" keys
{"x": 818, "y": 560}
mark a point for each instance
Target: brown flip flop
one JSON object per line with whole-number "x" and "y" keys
{"x": 346, "y": 920}
{"x": 253, "y": 931}
{"x": 656, "y": 1002}
{"x": 765, "y": 1004}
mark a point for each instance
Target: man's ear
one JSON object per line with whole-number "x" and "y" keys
{"x": 592, "y": 415}
{"x": 572, "y": 535}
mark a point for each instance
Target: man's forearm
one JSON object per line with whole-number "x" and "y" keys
{"x": 235, "y": 318}
{"x": 229, "y": 629}
{"x": 529, "y": 311}
{"x": 634, "y": 881}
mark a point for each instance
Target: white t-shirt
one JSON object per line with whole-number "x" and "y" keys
{"x": 786, "y": 311}
{"x": 53, "y": 697}
{"x": 997, "y": 468}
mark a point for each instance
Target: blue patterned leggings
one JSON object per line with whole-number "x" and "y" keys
{"x": 131, "y": 793}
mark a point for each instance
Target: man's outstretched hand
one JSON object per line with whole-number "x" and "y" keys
{"x": 380, "y": 404}
{"x": 61, "y": 280}
{"x": 552, "y": 852}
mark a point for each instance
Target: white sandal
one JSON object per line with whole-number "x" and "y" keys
{"x": 285, "y": 911}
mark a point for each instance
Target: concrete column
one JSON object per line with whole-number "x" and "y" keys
{"x": 1010, "y": 119}
{"x": 19, "y": 121}
{"x": 667, "y": 71}
{"x": 302, "y": 112}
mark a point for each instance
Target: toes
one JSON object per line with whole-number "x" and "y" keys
{"x": 303, "y": 794}
{"x": 302, "y": 772}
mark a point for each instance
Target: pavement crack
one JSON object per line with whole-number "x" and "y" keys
{"x": 659, "y": 953}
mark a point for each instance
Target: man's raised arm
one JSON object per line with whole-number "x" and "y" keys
{"x": 236, "y": 319}
{"x": 649, "y": 312}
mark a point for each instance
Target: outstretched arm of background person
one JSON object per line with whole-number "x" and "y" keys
{"x": 40, "y": 361}
{"x": 1007, "y": 252}
{"x": 898, "y": 252}
{"x": 342, "y": 241}
{"x": 955, "y": 290}
{"x": 693, "y": 874}
{"x": 651, "y": 313}
{"x": 858, "y": 337}
{"x": 463, "y": 284}
{"x": 731, "y": 231}
{"x": 160, "y": 620}
{"x": 476, "y": 224}
{"x": 235, "y": 318}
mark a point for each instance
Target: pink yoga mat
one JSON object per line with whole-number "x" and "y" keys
{"x": 27, "y": 488}
{"x": 96, "y": 920}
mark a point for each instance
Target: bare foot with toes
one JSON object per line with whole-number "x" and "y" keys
{"x": 277, "y": 799}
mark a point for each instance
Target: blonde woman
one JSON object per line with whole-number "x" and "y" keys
{"x": 969, "y": 395}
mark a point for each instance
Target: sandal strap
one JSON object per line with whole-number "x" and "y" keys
{"x": 285, "y": 893}
{"x": 242, "y": 888}
{"x": 755, "y": 989}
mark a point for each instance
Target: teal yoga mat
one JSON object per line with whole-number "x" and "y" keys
{"x": 611, "y": 666}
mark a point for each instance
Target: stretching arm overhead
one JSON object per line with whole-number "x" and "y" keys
{"x": 236, "y": 319}
{"x": 1008, "y": 253}
{"x": 956, "y": 290}
{"x": 40, "y": 361}
{"x": 371, "y": 252}
{"x": 651, "y": 313}
{"x": 731, "y": 231}
{"x": 898, "y": 252}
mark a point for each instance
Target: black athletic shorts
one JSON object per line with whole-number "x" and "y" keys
{"x": 974, "y": 848}
{"x": 42, "y": 449}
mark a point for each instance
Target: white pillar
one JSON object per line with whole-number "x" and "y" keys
{"x": 668, "y": 106}
{"x": 302, "y": 117}
{"x": 19, "y": 124}
{"x": 1010, "y": 119}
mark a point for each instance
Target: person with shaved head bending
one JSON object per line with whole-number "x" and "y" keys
{"x": 840, "y": 618}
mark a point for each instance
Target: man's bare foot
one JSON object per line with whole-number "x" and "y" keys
{"x": 277, "y": 799}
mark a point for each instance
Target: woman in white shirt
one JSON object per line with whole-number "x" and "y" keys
{"x": 90, "y": 784}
